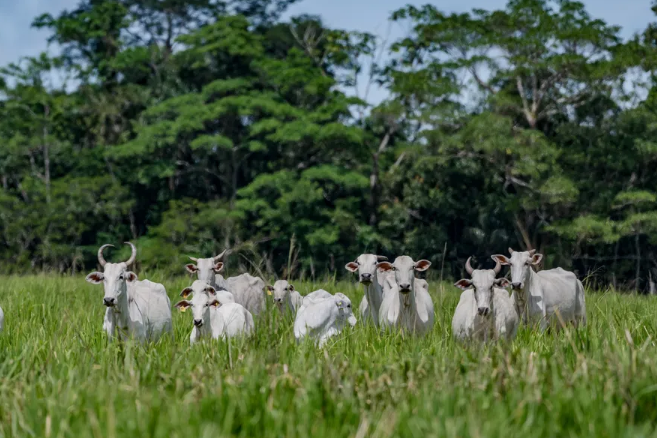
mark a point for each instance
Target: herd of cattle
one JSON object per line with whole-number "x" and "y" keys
{"x": 394, "y": 299}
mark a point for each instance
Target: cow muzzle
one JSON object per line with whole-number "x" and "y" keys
{"x": 516, "y": 286}
{"x": 405, "y": 288}
{"x": 366, "y": 278}
{"x": 109, "y": 302}
{"x": 483, "y": 311}
{"x": 198, "y": 322}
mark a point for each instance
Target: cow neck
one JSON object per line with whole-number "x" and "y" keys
{"x": 408, "y": 300}
{"x": 371, "y": 291}
{"x": 522, "y": 296}
{"x": 122, "y": 307}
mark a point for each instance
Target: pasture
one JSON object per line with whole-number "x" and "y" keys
{"x": 59, "y": 377}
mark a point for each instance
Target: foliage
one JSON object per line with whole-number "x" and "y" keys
{"x": 190, "y": 126}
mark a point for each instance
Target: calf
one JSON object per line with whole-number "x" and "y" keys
{"x": 539, "y": 296}
{"x": 286, "y": 298}
{"x": 372, "y": 281}
{"x": 322, "y": 316}
{"x": 215, "y": 315}
{"x": 406, "y": 301}
{"x": 139, "y": 309}
{"x": 485, "y": 310}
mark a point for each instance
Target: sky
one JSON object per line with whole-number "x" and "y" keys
{"x": 18, "y": 39}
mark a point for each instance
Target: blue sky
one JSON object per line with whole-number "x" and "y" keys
{"x": 17, "y": 39}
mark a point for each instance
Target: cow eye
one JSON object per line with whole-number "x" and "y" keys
{"x": 121, "y": 277}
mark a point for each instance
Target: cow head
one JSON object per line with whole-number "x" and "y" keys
{"x": 404, "y": 268}
{"x": 205, "y": 269}
{"x": 114, "y": 277}
{"x": 483, "y": 281}
{"x": 520, "y": 262}
{"x": 365, "y": 265}
{"x": 204, "y": 298}
{"x": 345, "y": 312}
{"x": 281, "y": 290}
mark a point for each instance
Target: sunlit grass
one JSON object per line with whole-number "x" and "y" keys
{"x": 59, "y": 377}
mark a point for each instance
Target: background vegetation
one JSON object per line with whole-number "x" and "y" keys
{"x": 190, "y": 126}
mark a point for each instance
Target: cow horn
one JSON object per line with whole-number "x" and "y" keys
{"x": 221, "y": 256}
{"x": 511, "y": 250}
{"x": 381, "y": 258}
{"x": 101, "y": 259}
{"x": 532, "y": 252}
{"x": 497, "y": 268}
{"x": 133, "y": 256}
{"x": 194, "y": 259}
{"x": 468, "y": 266}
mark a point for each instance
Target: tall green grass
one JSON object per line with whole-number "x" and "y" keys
{"x": 59, "y": 377}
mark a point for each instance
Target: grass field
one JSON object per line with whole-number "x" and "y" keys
{"x": 60, "y": 378}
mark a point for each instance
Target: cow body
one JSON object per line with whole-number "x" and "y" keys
{"x": 135, "y": 309}
{"x": 286, "y": 299}
{"x": 373, "y": 284}
{"x": 540, "y": 296}
{"x": 215, "y": 314}
{"x": 322, "y": 316}
{"x": 485, "y": 310}
{"x": 406, "y": 304}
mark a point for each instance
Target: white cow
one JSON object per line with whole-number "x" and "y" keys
{"x": 322, "y": 316}
{"x": 372, "y": 281}
{"x": 485, "y": 310}
{"x": 406, "y": 304}
{"x": 249, "y": 291}
{"x": 538, "y": 296}
{"x": 215, "y": 314}
{"x": 139, "y": 309}
{"x": 2, "y": 319}
{"x": 286, "y": 298}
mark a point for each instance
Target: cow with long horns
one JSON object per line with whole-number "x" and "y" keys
{"x": 135, "y": 308}
{"x": 485, "y": 310}
{"x": 553, "y": 296}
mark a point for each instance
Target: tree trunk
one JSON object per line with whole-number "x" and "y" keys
{"x": 638, "y": 263}
{"x": 374, "y": 179}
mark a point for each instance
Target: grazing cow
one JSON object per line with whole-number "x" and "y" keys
{"x": 139, "y": 309}
{"x": 249, "y": 291}
{"x": 215, "y": 314}
{"x": 322, "y": 316}
{"x": 372, "y": 281}
{"x": 538, "y": 296}
{"x": 2, "y": 319}
{"x": 485, "y": 310}
{"x": 406, "y": 301}
{"x": 286, "y": 298}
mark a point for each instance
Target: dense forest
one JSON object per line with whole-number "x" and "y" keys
{"x": 190, "y": 126}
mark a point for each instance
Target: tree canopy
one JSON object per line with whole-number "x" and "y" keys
{"x": 192, "y": 126}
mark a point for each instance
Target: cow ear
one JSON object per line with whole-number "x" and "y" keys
{"x": 270, "y": 289}
{"x": 95, "y": 278}
{"x": 536, "y": 259}
{"x": 385, "y": 266}
{"x": 214, "y": 303}
{"x": 422, "y": 265}
{"x": 130, "y": 276}
{"x": 191, "y": 268}
{"x": 211, "y": 290}
{"x": 463, "y": 283}
{"x": 501, "y": 259}
{"x": 351, "y": 266}
{"x": 502, "y": 282}
{"x": 183, "y": 305}
{"x": 218, "y": 267}
{"x": 186, "y": 292}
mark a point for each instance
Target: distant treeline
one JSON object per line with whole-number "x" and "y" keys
{"x": 192, "y": 126}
